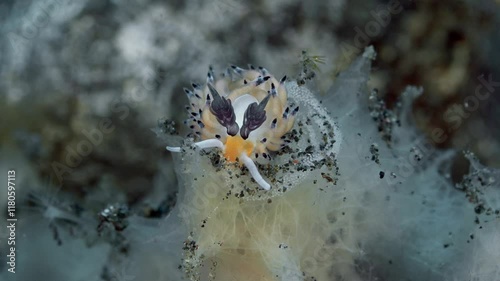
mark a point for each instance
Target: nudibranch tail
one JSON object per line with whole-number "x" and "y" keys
{"x": 245, "y": 113}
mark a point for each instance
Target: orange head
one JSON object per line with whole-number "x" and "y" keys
{"x": 235, "y": 146}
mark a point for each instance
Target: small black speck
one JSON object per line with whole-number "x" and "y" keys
{"x": 479, "y": 209}
{"x": 381, "y": 174}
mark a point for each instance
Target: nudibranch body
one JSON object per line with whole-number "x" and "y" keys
{"x": 245, "y": 113}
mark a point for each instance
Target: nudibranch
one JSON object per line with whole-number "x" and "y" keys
{"x": 245, "y": 113}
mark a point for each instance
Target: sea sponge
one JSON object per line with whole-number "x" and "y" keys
{"x": 358, "y": 194}
{"x": 236, "y": 228}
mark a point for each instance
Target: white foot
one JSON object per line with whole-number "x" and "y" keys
{"x": 202, "y": 144}
{"x": 254, "y": 171}
{"x": 174, "y": 148}
{"x": 209, "y": 143}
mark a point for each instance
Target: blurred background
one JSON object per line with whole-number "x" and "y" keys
{"x": 83, "y": 82}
